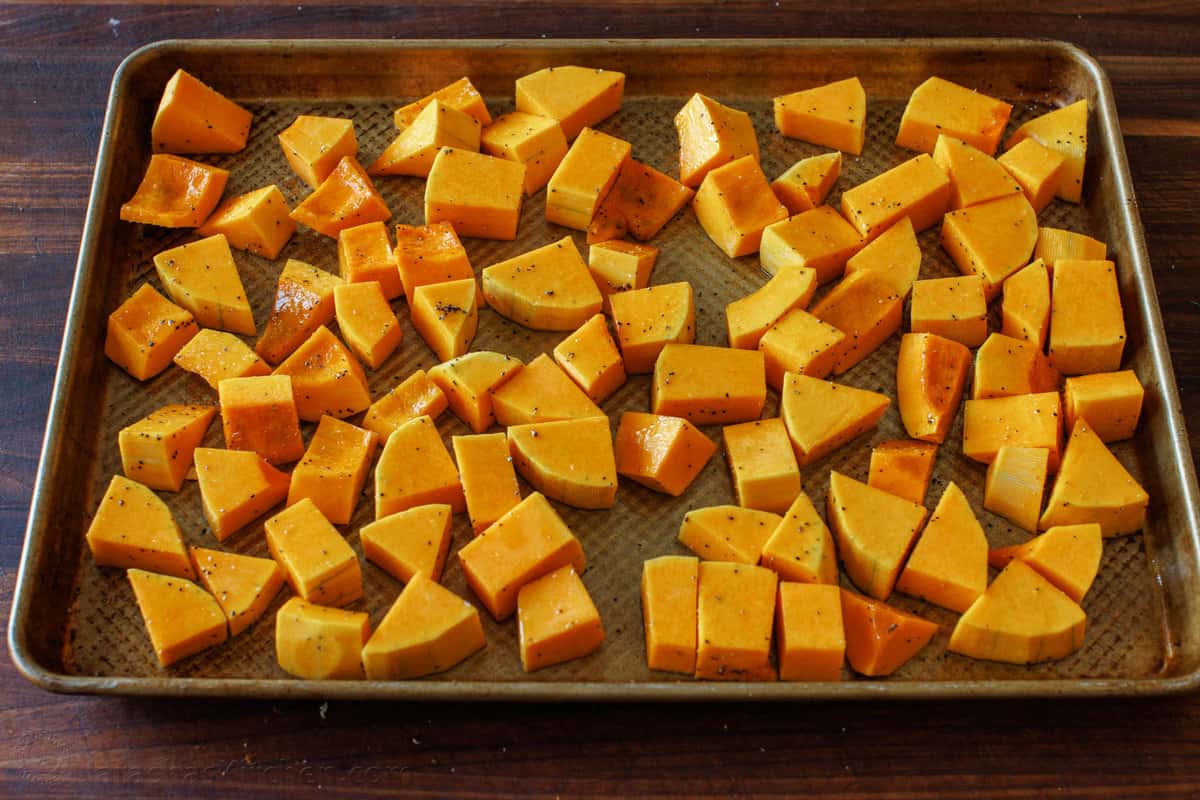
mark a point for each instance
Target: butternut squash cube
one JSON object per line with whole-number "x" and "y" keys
{"x": 801, "y": 547}
{"x": 639, "y": 204}
{"x": 1025, "y": 308}
{"x": 569, "y": 460}
{"x": 1093, "y": 486}
{"x": 584, "y": 177}
{"x": 134, "y": 528}
{"x": 875, "y": 531}
{"x": 345, "y": 199}
{"x": 303, "y": 302}
{"x": 257, "y": 222}
{"x": 711, "y": 135}
{"x": 415, "y": 469}
{"x": 735, "y": 614}
{"x": 619, "y": 266}
{"x": 535, "y": 141}
{"x": 1087, "y": 323}
{"x": 334, "y": 468}
{"x": 881, "y": 639}
{"x": 326, "y": 378}
{"x": 365, "y": 319}
{"x": 468, "y": 382}
{"x": 991, "y": 240}
{"x": 670, "y": 591}
{"x": 413, "y": 150}
{"x": 429, "y": 629}
{"x": 865, "y": 307}
{"x": 461, "y": 95}
{"x": 975, "y": 177}
{"x": 939, "y": 107}
{"x": 749, "y": 317}
{"x": 903, "y": 467}
{"x": 577, "y": 97}
{"x": 833, "y": 115}
{"x": 528, "y": 542}
{"x": 821, "y": 416}
{"x": 818, "y": 239}
{"x": 319, "y": 643}
{"x": 447, "y": 316}
{"x": 1027, "y": 420}
{"x": 591, "y": 359}
{"x": 193, "y": 117}
{"x": 762, "y": 464}
{"x": 799, "y": 343}
{"x": 547, "y": 289}
{"x": 1063, "y": 130}
{"x": 236, "y": 488}
{"x": 953, "y": 308}
{"x": 1021, "y": 619}
{"x": 649, "y": 319}
{"x": 365, "y": 255}
{"x": 894, "y": 255}
{"x": 243, "y": 585}
{"x": 478, "y": 195}
{"x": 809, "y": 633}
{"x": 662, "y": 453}
{"x": 314, "y": 146}
{"x": 735, "y": 205}
{"x": 1111, "y": 402}
{"x": 806, "y": 184}
{"x": 416, "y": 396}
{"x": 1066, "y": 555}
{"x": 181, "y": 618}
{"x": 175, "y": 192}
{"x": 948, "y": 566}
{"x": 709, "y": 385}
{"x": 931, "y": 372}
{"x": 541, "y": 392}
{"x": 1037, "y": 169}
{"x": 410, "y": 543}
{"x": 319, "y": 565}
{"x": 146, "y": 332}
{"x": 1056, "y": 244}
{"x": 916, "y": 189}
{"x": 1016, "y": 480}
{"x": 727, "y": 533}
{"x": 429, "y": 254}
{"x": 202, "y": 277}
{"x": 157, "y": 449}
{"x": 556, "y": 620}
{"x": 259, "y": 414}
{"x": 488, "y": 478}
{"x": 1006, "y": 366}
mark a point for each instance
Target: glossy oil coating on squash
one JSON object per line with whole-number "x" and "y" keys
{"x": 575, "y": 96}
{"x": 818, "y": 239}
{"x": 334, "y": 468}
{"x": 429, "y": 254}
{"x": 303, "y": 302}
{"x": 345, "y": 199}
{"x": 684, "y": 384}
{"x": 258, "y": 222}
{"x": 416, "y": 396}
{"x": 881, "y": 639}
{"x": 410, "y": 543}
{"x": 931, "y": 372}
{"x": 1093, "y": 486}
{"x": 236, "y": 487}
{"x": 327, "y": 379}
{"x": 469, "y": 381}
{"x": 895, "y": 255}
{"x": 133, "y": 528}
{"x": 799, "y": 343}
{"x": 903, "y": 467}
{"x": 181, "y": 618}
{"x": 833, "y": 115}
{"x": 318, "y": 563}
{"x": 662, "y": 453}
{"x": 571, "y": 460}
{"x": 365, "y": 254}
{"x": 821, "y": 416}
{"x": 711, "y": 135}
{"x": 415, "y": 469}
{"x": 535, "y": 141}
{"x": 541, "y": 392}
{"x": 591, "y": 358}
{"x": 314, "y": 146}
{"x": 175, "y": 192}
{"x": 866, "y": 308}
{"x": 366, "y": 322}
{"x": 749, "y": 317}
{"x": 429, "y": 629}
{"x": 806, "y": 184}
{"x": 446, "y": 315}
{"x": 735, "y": 205}
{"x": 727, "y": 533}
{"x": 413, "y": 150}
{"x": 639, "y": 204}
{"x": 647, "y": 320}
{"x": 192, "y": 117}
{"x": 620, "y": 266}
{"x": 259, "y": 414}
{"x": 243, "y": 585}
{"x": 547, "y": 289}
{"x": 157, "y": 450}
{"x": 1066, "y": 555}
{"x": 146, "y": 332}
{"x": 1005, "y": 366}
{"x": 461, "y": 94}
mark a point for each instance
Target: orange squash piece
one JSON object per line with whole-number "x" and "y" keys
{"x": 727, "y": 533}
{"x": 975, "y": 177}
{"x": 236, "y": 488}
{"x": 639, "y": 204}
{"x": 547, "y": 289}
{"x": 1025, "y": 309}
{"x": 575, "y": 96}
{"x": 875, "y": 531}
{"x": 468, "y": 382}
{"x": 345, "y": 199}
{"x": 749, "y": 317}
{"x": 569, "y": 460}
{"x": 202, "y": 277}
{"x": 762, "y": 464}
{"x": 556, "y": 620}
{"x": 800, "y": 343}
{"x": 992, "y": 240}
{"x": 413, "y": 150}
{"x": 818, "y": 239}
{"x": 181, "y": 618}
{"x": 833, "y": 115}
{"x": 326, "y": 378}
{"x": 416, "y": 396}
{"x": 429, "y": 254}
{"x": 940, "y": 107}
{"x": 314, "y": 146}
{"x": 146, "y": 332}
{"x": 365, "y": 255}
{"x": 801, "y": 547}
{"x": 488, "y": 478}
{"x": 479, "y": 195}
{"x": 805, "y": 185}
{"x": 931, "y": 372}
{"x": 318, "y": 564}
{"x": 670, "y": 591}
{"x": 134, "y": 528}
{"x": 429, "y": 629}
{"x": 809, "y": 634}
{"x": 541, "y": 392}
{"x": 735, "y": 205}
{"x": 735, "y": 614}
{"x": 881, "y": 639}
{"x": 1027, "y": 420}
{"x": 916, "y": 189}
{"x": 1006, "y": 366}
{"x": 1056, "y": 244}
{"x": 1087, "y": 323}
{"x": 649, "y": 319}
{"x": 902, "y": 467}
{"x": 662, "y": 453}
{"x": 257, "y": 222}
{"x": 821, "y": 416}
{"x": 619, "y": 266}
{"x": 948, "y": 565}
{"x": 1093, "y": 486}
{"x": 1039, "y": 171}
{"x": 447, "y": 316}
{"x": 365, "y": 319}
{"x": 865, "y": 307}
{"x": 591, "y": 359}
{"x": 415, "y": 469}
{"x": 894, "y": 255}
{"x": 175, "y": 192}
{"x": 410, "y": 543}
{"x": 242, "y": 585}
{"x": 1066, "y": 555}
{"x": 952, "y": 308}
{"x": 259, "y": 414}
{"x": 711, "y": 135}
{"x": 334, "y": 468}
{"x": 1063, "y": 130}
{"x": 319, "y": 643}
{"x": 708, "y": 385}
{"x": 157, "y": 450}
{"x": 535, "y": 141}
{"x": 1016, "y": 481}
{"x": 303, "y": 302}
{"x": 461, "y": 94}
{"x": 584, "y": 177}
{"x": 195, "y": 118}
{"x": 1111, "y": 402}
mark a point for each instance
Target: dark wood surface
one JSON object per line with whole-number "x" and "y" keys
{"x": 55, "y": 66}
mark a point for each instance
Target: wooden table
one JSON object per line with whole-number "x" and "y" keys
{"x": 55, "y": 67}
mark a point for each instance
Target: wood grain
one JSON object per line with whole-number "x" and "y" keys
{"x": 55, "y": 67}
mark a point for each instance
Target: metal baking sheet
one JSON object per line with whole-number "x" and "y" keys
{"x": 75, "y": 626}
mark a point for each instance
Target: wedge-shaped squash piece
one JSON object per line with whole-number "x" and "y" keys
{"x": 639, "y": 204}
{"x": 319, "y": 565}
{"x": 818, "y": 239}
{"x": 762, "y": 464}
{"x": 940, "y": 107}
{"x": 1056, "y": 244}
{"x": 345, "y": 199}
{"x": 303, "y": 302}
{"x": 547, "y": 289}
{"x": 1016, "y": 481}
{"x": 1087, "y": 324}
{"x": 175, "y": 192}
{"x": 257, "y": 222}
{"x": 1093, "y": 486}
{"x": 806, "y": 184}
{"x": 320, "y": 643}
{"x": 528, "y": 542}
{"x": 711, "y": 135}
{"x": 916, "y": 189}
{"x": 195, "y": 118}
{"x": 1111, "y": 402}
{"x": 618, "y": 266}
{"x": 202, "y": 277}
{"x": 708, "y": 385}
{"x": 948, "y": 565}
{"x": 735, "y": 614}
{"x": 365, "y": 255}
{"x": 134, "y": 528}
{"x": 181, "y": 618}
{"x": 410, "y": 543}
{"x": 146, "y": 332}
{"x": 992, "y": 240}
{"x": 875, "y": 531}
{"x": 236, "y": 487}
{"x": 535, "y": 141}
{"x": 415, "y": 469}
{"x": 488, "y": 478}
{"x": 479, "y": 195}
{"x": 1021, "y": 619}
{"x": 662, "y": 453}
{"x": 727, "y": 533}
{"x": 902, "y": 467}
{"x": 468, "y": 382}
{"x": 416, "y": 396}
{"x": 259, "y": 414}
{"x": 1027, "y": 420}
{"x": 1005, "y": 366}
{"x": 1025, "y": 309}
{"x": 1063, "y": 130}
{"x": 461, "y": 95}
{"x": 931, "y": 372}
{"x": 556, "y": 620}
{"x": 833, "y": 115}
{"x": 584, "y": 177}
{"x": 801, "y": 546}
{"x": 314, "y": 146}
{"x": 541, "y": 392}
{"x": 570, "y": 460}
{"x": 975, "y": 177}
{"x": 1039, "y": 171}
{"x": 575, "y": 96}
{"x": 881, "y": 639}
{"x": 334, "y": 468}
{"x": 157, "y": 450}
{"x": 895, "y": 255}
{"x": 326, "y": 378}
{"x": 1066, "y": 555}
{"x": 809, "y": 634}
{"x": 366, "y": 321}
{"x": 821, "y": 416}
{"x": 590, "y": 357}
{"x": 735, "y": 205}
{"x": 429, "y": 629}
{"x": 749, "y": 317}
{"x": 447, "y": 316}
{"x": 649, "y": 319}
{"x": 243, "y": 585}
{"x": 800, "y": 343}
{"x": 413, "y": 150}
{"x": 429, "y": 254}
{"x": 670, "y": 588}
{"x": 865, "y": 307}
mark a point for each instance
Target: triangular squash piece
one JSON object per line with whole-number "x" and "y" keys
{"x": 895, "y": 255}
{"x": 570, "y": 460}
{"x": 415, "y": 469}
{"x": 202, "y": 277}
{"x": 1005, "y": 366}
{"x": 438, "y": 125}
{"x": 428, "y": 629}
{"x": 663, "y": 453}
{"x": 1063, "y": 130}
{"x": 236, "y": 487}
{"x": 833, "y": 115}
{"x": 243, "y": 585}
{"x": 1020, "y": 619}
{"x": 948, "y": 565}
{"x": 134, "y": 528}
{"x": 874, "y": 530}
{"x": 461, "y": 95}
{"x": 326, "y": 378}
{"x": 541, "y": 392}
{"x": 1066, "y": 555}
{"x": 710, "y": 135}
{"x": 547, "y": 289}
{"x": 801, "y": 547}
{"x": 577, "y": 97}
{"x": 447, "y": 316}
{"x": 410, "y": 542}
{"x": 879, "y": 638}
{"x": 727, "y": 533}
{"x": 639, "y": 204}
{"x": 468, "y": 382}
{"x": 181, "y": 618}
{"x": 1093, "y": 486}
{"x": 867, "y": 308}
{"x": 805, "y": 184}
{"x": 975, "y": 177}
{"x": 992, "y": 240}
{"x": 821, "y": 416}
{"x": 303, "y": 303}
{"x": 345, "y": 199}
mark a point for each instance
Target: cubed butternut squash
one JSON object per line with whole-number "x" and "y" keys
{"x": 243, "y": 585}
{"x": 236, "y": 488}
{"x": 991, "y": 240}
{"x": 258, "y": 222}
{"x": 895, "y": 255}
{"x": 952, "y": 308}
{"x": 577, "y": 97}
{"x": 320, "y": 643}
{"x": 259, "y": 414}
{"x": 670, "y": 593}
{"x": 866, "y": 308}
{"x": 326, "y": 378}
{"x": 366, "y": 321}
{"x": 639, "y": 204}
{"x": 410, "y": 543}
{"x": 711, "y": 135}
{"x": 556, "y": 620}
{"x": 1093, "y": 486}
{"x": 479, "y": 195}
{"x": 805, "y": 185}
{"x": 318, "y": 564}
{"x": 1025, "y": 309}
{"x": 619, "y": 266}
{"x": 446, "y": 315}
{"x": 314, "y": 146}
{"x": 415, "y": 469}
{"x": 649, "y": 319}
{"x": 975, "y": 177}
{"x": 181, "y": 618}
{"x": 940, "y": 107}
{"x": 749, "y": 317}
{"x": 1027, "y": 420}
{"x": 133, "y": 528}
{"x": 727, "y": 533}
{"x": 429, "y": 254}
{"x": 334, "y": 468}
{"x": 591, "y": 358}
{"x": 175, "y": 192}
{"x": 461, "y": 94}
{"x": 1056, "y": 244}
{"x": 931, "y": 372}
{"x": 809, "y": 634}
{"x": 735, "y": 205}
{"x": 303, "y": 302}
{"x": 662, "y": 453}
{"x": 1063, "y": 130}
{"x": 818, "y": 239}
{"x": 762, "y": 464}
{"x": 821, "y": 416}
{"x": 365, "y": 254}
{"x": 541, "y": 392}
{"x": 547, "y": 289}
{"x": 416, "y": 396}
{"x": 1005, "y": 366}
{"x": 157, "y": 450}
{"x": 1066, "y": 555}
{"x": 735, "y": 615}
{"x": 192, "y": 117}
{"x": 916, "y": 189}
{"x": 413, "y": 150}
{"x": 146, "y": 332}
{"x": 881, "y": 639}
{"x": 799, "y": 343}
{"x": 708, "y": 385}
{"x": 1039, "y": 171}
{"x": 949, "y": 563}
{"x": 488, "y": 478}
{"x": 535, "y": 141}
{"x": 902, "y": 467}
{"x": 1111, "y": 402}
{"x": 468, "y": 382}
{"x": 1016, "y": 481}
{"x": 875, "y": 531}
{"x": 1087, "y": 323}
{"x": 801, "y": 547}
{"x": 584, "y": 176}
{"x": 429, "y": 629}
{"x": 345, "y": 199}
{"x": 569, "y": 460}
{"x": 833, "y": 115}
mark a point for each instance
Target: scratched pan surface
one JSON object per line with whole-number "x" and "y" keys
{"x": 75, "y": 626}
